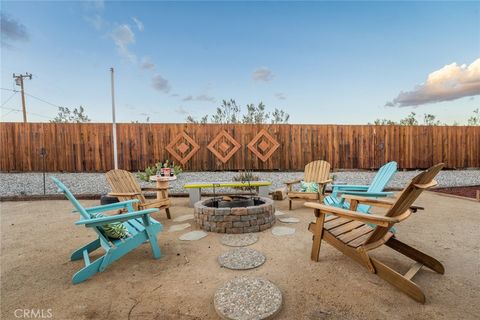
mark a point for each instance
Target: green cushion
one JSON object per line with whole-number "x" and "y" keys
{"x": 114, "y": 230}
{"x": 308, "y": 186}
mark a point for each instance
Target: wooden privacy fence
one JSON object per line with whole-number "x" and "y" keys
{"x": 88, "y": 147}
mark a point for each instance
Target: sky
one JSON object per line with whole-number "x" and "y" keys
{"x": 321, "y": 62}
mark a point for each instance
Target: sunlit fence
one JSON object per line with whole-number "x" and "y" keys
{"x": 88, "y": 147}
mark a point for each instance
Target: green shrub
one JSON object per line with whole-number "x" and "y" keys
{"x": 245, "y": 176}
{"x": 151, "y": 171}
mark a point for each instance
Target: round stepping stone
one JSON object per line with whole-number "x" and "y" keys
{"x": 247, "y": 298}
{"x": 193, "y": 235}
{"x": 239, "y": 240}
{"x": 279, "y": 213}
{"x": 282, "y": 231}
{"x": 178, "y": 227}
{"x": 241, "y": 259}
{"x": 289, "y": 219}
{"x": 185, "y": 217}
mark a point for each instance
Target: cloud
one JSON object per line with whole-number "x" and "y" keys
{"x": 161, "y": 84}
{"x": 202, "y": 97}
{"x": 147, "y": 64}
{"x": 138, "y": 23}
{"x": 123, "y": 36}
{"x": 280, "y": 96}
{"x": 181, "y": 110}
{"x": 12, "y": 30}
{"x": 451, "y": 82}
{"x": 262, "y": 74}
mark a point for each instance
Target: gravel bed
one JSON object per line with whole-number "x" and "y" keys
{"x": 16, "y": 184}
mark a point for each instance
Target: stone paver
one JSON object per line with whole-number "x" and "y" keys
{"x": 283, "y": 231}
{"x": 279, "y": 213}
{"x": 247, "y": 298}
{"x": 185, "y": 217}
{"x": 193, "y": 235}
{"x": 289, "y": 219}
{"x": 178, "y": 227}
{"x": 241, "y": 259}
{"x": 239, "y": 240}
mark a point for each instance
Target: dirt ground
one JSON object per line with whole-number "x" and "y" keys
{"x": 37, "y": 238}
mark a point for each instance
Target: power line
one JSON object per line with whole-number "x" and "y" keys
{"x": 35, "y": 97}
{"x": 9, "y": 98}
{"x": 32, "y": 113}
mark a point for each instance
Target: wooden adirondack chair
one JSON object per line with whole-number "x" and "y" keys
{"x": 351, "y": 232}
{"x": 316, "y": 171}
{"x": 375, "y": 189}
{"x": 125, "y": 187}
{"x": 139, "y": 224}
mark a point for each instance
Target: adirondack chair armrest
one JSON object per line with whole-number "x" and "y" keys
{"x": 342, "y": 187}
{"x": 116, "y": 218}
{"x": 111, "y": 206}
{"x": 123, "y": 194}
{"x": 369, "y": 194}
{"x": 369, "y": 201}
{"x": 325, "y": 181}
{"x": 293, "y": 181}
{"x": 363, "y": 217}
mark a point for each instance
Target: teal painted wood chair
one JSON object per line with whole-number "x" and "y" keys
{"x": 374, "y": 190}
{"x": 140, "y": 225}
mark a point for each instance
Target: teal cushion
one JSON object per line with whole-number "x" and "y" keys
{"x": 114, "y": 230}
{"x": 308, "y": 186}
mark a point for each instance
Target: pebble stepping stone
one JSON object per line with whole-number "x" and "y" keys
{"x": 241, "y": 259}
{"x": 247, "y": 298}
{"x": 282, "y": 231}
{"x": 178, "y": 227}
{"x": 193, "y": 235}
{"x": 185, "y": 217}
{"x": 289, "y": 219}
{"x": 239, "y": 240}
{"x": 279, "y": 213}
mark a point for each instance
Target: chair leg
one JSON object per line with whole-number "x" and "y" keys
{"x": 92, "y": 246}
{"x": 317, "y": 229}
{"x": 398, "y": 281}
{"x": 167, "y": 210}
{"x": 87, "y": 271}
{"x": 416, "y": 255}
{"x": 289, "y": 204}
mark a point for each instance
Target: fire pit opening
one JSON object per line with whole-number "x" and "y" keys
{"x": 235, "y": 214}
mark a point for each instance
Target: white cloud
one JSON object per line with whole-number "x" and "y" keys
{"x": 202, "y": 97}
{"x": 262, "y": 74}
{"x": 280, "y": 96}
{"x": 451, "y": 82}
{"x": 123, "y": 36}
{"x": 161, "y": 84}
{"x": 138, "y": 23}
{"x": 147, "y": 64}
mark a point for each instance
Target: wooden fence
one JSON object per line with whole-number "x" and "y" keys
{"x": 88, "y": 147}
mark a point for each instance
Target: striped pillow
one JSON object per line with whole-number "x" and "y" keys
{"x": 308, "y": 186}
{"x": 114, "y": 230}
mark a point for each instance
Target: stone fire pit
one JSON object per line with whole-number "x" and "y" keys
{"x": 237, "y": 215}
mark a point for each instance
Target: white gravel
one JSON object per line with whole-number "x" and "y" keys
{"x": 14, "y": 184}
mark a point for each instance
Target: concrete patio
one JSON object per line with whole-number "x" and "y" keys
{"x": 37, "y": 238}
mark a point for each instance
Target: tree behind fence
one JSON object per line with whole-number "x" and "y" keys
{"x": 88, "y": 147}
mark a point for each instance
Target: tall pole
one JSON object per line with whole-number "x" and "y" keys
{"x": 19, "y": 82}
{"x": 114, "y": 124}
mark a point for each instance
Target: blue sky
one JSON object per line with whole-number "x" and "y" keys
{"x": 322, "y": 62}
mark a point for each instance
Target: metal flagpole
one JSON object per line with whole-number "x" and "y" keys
{"x": 114, "y": 124}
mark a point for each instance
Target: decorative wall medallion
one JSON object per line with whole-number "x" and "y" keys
{"x": 263, "y": 145}
{"x": 223, "y": 146}
{"x": 183, "y": 147}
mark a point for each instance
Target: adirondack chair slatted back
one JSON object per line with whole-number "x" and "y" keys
{"x": 317, "y": 171}
{"x": 407, "y": 198}
{"x": 62, "y": 188}
{"x": 123, "y": 181}
{"x": 383, "y": 176}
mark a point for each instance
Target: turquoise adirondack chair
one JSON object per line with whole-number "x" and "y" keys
{"x": 375, "y": 189}
{"x": 140, "y": 225}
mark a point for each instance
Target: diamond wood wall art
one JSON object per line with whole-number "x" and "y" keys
{"x": 223, "y": 146}
{"x": 182, "y": 147}
{"x": 263, "y": 145}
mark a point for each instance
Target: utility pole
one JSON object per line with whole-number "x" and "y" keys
{"x": 19, "y": 82}
{"x": 114, "y": 124}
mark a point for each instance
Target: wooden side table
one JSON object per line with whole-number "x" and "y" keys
{"x": 163, "y": 184}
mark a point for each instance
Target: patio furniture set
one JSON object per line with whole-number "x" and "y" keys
{"x": 343, "y": 218}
